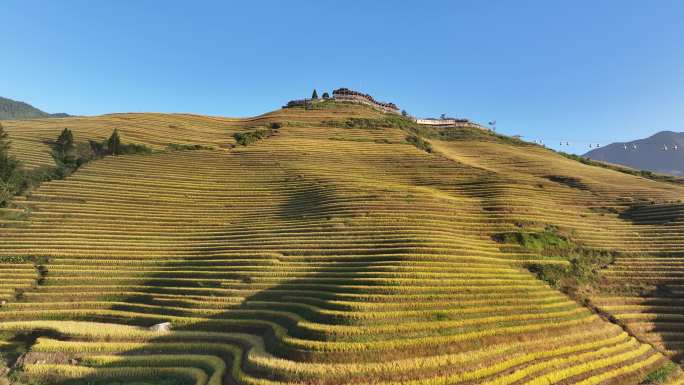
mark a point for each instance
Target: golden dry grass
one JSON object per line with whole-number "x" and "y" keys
{"x": 321, "y": 255}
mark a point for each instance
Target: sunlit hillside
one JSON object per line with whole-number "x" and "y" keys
{"x": 334, "y": 251}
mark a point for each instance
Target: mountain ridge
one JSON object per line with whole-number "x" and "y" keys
{"x": 646, "y": 154}
{"x": 13, "y": 109}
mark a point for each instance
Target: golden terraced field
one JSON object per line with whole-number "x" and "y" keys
{"x": 330, "y": 255}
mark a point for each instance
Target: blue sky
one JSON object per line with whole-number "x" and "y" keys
{"x": 580, "y": 71}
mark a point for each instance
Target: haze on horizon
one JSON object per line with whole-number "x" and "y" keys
{"x": 583, "y": 72}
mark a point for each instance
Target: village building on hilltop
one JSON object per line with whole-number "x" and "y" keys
{"x": 347, "y": 95}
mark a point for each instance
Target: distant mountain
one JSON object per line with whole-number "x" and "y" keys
{"x": 650, "y": 153}
{"x": 12, "y": 109}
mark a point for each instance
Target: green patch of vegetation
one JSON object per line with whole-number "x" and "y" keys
{"x": 641, "y": 173}
{"x": 417, "y": 133}
{"x": 583, "y": 267}
{"x": 549, "y": 239}
{"x": 14, "y": 215}
{"x": 419, "y": 142}
{"x": 13, "y": 259}
{"x": 247, "y": 138}
{"x": 318, "y": 104}
{"x": 399, "y": 121}
{"x": 133, "y": 148}
{"x": 187, "y": 147}
{"x": 387, "y": 121}
{"x": 441, "y": 133}
{"x": 11, "y": 173}
{"x": 68, "y": 156}
{"x": 114, "y": 146}
{"x": 440, "y": 316}
{"x": 324, "y": 104}
{"x": 463, "y": 133}
{"x": 16, "y": 259}
{"x": 660, "y": 375}
{"x": 363, "y": 123}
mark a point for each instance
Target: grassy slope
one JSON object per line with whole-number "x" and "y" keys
{"x": 330, "y": 254}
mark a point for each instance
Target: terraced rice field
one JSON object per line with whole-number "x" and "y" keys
{"x": 650, "y": 286}
{"x": 320, "y": 255}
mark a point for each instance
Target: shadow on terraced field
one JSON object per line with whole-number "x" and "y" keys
{"x": 262, "y": 291}
{"x": 665, "y": 331}
{"x": 308, "y": 201}
{"x": 269, "y": 310}
{"x": 654, "y": 214}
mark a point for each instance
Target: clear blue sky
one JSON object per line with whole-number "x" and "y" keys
{"x": 583, "y": 71}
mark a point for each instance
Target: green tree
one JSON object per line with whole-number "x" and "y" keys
{"x": 114, "y": 143}
{"x": 11, "y": 177}
{"x": 65, "y": 141}
{"x": 11, "y": 174}
{"x": 63, "y": 152}
{"x": 326, "y": 95}
{"x": 314, "y": 95}
{"x": 98, "y": 148}
{"x": 4, "y": 141}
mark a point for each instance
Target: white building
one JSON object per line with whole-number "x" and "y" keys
{"x": 450, "y": 122}
{"x": 438, "y": 122}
